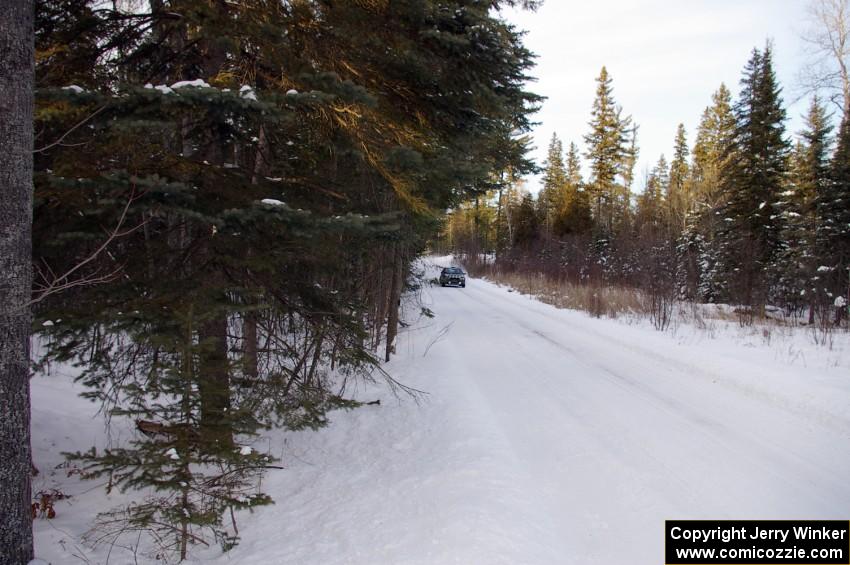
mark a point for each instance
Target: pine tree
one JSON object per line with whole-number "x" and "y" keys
{"x": 712, "y": 147}
{"x": 508, "y": 204}
{"x": 573, "y": 215}
{"x": 800, "y": 257}
{"x": 607, "y": 148}
{"x": 712, "y": 150}
{"x": 682, "y": 219}
{"x": 678, "y": 196}
{"x": 573, "y": 170}
{"x": 627, "y": 172}
{"x": 261, "y": 186}
{"x": 752, "y": 180}
{"x": 650, "y": 218}
{"x": 527, "y": 222}
{"x": 833, "y": 206}
{"x": 554, "y": 183}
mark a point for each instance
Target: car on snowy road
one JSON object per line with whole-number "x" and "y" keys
{"x": 453, "y": 276}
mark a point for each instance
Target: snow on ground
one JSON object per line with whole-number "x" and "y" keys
{"x": 546, "y": 437}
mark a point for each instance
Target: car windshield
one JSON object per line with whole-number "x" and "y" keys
{"x": 453, "y": 271}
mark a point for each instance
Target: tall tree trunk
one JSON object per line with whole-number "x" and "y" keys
{"x": 214, "y": 380}
{"x": 16, "y": 141}
{"x": 395, "y": 301}
{"x": 498, "y": 246}
{"x": 317, "y": 356}
{"x": 183, "y": 444}
{"x": 476, "y": 229}
{"x": 250, "y": 358}
{"x": 214, "y": 367}
{"x": 380, "y": 297}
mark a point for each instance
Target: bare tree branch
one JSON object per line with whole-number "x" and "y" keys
{"x": 828, "y": 37}
{"x": 70, "y": 131}
{"x": 53, "y": 283}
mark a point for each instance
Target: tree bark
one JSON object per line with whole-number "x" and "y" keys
{"x": 214, "y": 380}
{"x": 395, "y": 302}
{"x": 16, "y": 141}
{"x": 213, "y": 365}
{"x": 498, "y": 247}
{"x": 380, "y": 296}
{"x": 250, "y": 357}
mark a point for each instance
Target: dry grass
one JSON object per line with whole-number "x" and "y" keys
{"x": 597, "y": 300}
{"x": 609, "y": 301}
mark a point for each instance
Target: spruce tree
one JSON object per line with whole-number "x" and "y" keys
{"x": 752, "y": 180}
{"x": 682, "y": 219}
{"x": 573, "y": 170}
{"x": 259, "y": 185}
{"x": 650, "y": 220}
{"x": 712, "y": 147}
{"x": 573, "y": 215}
{"x": 527, "y": 222}
{"x": 833, "y": 205}
{"x": 607, "y": 147}
{"x": 712, "y": 150}
{"x": 554, "y": 183}
{"x": 627, "y": 171}
{"x": 678, "y": 196}
{"x": 797, "y": 271}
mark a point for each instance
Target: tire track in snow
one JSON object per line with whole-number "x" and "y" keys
{"x": 751, "y": 443}
{"x": 694, "y": 420}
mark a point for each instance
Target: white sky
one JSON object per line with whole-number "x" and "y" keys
{"x": 666, "y": 58}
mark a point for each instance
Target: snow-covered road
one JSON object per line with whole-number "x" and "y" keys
{"x": 548, "y": 437}
{"x": 610, "y": 435}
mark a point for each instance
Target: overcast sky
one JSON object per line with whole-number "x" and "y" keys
{"x": 666, "y": 58}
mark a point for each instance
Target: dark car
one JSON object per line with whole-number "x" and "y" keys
{"x": 453, "y": 276}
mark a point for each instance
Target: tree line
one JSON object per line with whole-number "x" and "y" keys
{"x": 743, "y": 215}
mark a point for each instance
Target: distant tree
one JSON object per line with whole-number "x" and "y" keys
{"x": 828, "y": 35}
{"x": 650, "y": 220}
{"x": 808, "y": 183}
{"x": 472, "y": 226}
{"x": 713, "y": 149}
{"x": 573, "y": 170}
{"x": 607, "y": 148}
{"x": 554, "y": 182}
{"x": 681, "y": 220}
{"x": 508, "y": 206}
{"x": 833, "y": 237}
{"x": 678, "y": 192}
{"x": 527, "y": 222}
{"x": 573, "y": 215}
{"x": 627, "y": 167}
{"x": 753, "y": 177}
